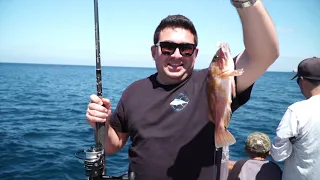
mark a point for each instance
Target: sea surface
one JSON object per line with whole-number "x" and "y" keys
{"x": 42, "y": 116}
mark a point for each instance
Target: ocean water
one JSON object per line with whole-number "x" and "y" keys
{"x": 42, "y": 116}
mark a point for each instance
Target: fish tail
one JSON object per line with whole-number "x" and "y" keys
{"x": 224, "y": 138}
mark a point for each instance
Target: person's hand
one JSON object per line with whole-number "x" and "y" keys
{"x": 231, "y": 164}
{"x": 99, "y": 110}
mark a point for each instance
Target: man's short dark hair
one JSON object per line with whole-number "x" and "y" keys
{"x": 175, "y": 21}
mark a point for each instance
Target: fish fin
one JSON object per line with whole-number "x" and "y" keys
{"x": 224, "y": 138}
{"x": 237, "y": 72}
{"x": 227, "y": 116}
{"x": 233, "y": 88}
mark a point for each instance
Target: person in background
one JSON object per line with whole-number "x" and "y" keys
{"x": 166, "y": 114}
{"x": 297, "y": 140}
{"x": 257, "y": 167}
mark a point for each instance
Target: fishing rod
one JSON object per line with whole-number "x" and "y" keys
{"x": 95, "y": 159}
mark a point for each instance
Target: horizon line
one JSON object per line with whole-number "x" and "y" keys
{"x": 34, "y": 63}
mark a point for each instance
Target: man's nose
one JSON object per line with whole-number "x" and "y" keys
{"x": 176, "y": 53}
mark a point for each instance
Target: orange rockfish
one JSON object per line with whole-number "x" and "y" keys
{"x": 221, "y": 89}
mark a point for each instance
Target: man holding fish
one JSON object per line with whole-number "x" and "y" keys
{"x": 177, "y": 117}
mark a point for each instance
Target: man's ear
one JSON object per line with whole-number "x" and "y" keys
{"x": 196, "y": 51}
{"x": 153, "y": 51}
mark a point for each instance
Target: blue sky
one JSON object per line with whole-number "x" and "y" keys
{"x": 62, "y": 31}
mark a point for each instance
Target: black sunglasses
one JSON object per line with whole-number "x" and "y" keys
{"x": 168, "y": 48}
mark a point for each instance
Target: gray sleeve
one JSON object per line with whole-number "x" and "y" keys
{"x": 118, "y": 119}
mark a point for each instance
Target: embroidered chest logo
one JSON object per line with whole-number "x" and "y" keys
{"x": 179, "y": 102}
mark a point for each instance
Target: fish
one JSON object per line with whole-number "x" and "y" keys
{"x": 177, "y": 102}
{"x": 221, "y": 90}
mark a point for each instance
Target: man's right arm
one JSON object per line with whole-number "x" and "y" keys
{"x": 114, "y": 140}
{"x": 99, "y": 110}
{"x": 281, "y": 147}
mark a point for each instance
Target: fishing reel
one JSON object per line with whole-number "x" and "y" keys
{"x": 94, "y": 164}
